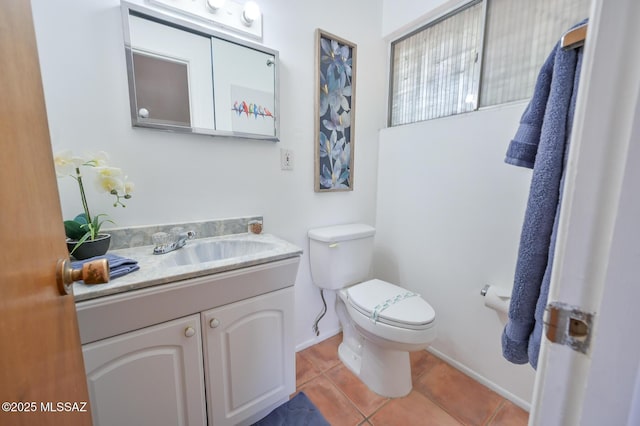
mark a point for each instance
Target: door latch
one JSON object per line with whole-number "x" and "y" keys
{"x": 569, "y": 326}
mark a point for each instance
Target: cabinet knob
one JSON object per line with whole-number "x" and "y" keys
{"x": 189, "y": 331}
{"x": 214, "y": 322}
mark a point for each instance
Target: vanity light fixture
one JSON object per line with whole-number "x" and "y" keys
{"x": 242, "y": 17}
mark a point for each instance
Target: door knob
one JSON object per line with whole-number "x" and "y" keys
{"x": 94, "y": 272}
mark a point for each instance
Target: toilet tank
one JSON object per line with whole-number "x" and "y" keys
{"x": 340, "y": 255}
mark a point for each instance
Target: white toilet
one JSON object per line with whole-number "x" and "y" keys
{"x": 381, "y": 322}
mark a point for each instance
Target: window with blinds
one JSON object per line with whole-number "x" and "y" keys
{"x": 486, "y": 53}
{"x": 519, "y": 37}
{"x": 435, "y": 70}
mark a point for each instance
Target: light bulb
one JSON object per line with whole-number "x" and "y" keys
{"x": 250, "y": 13}
{"x": 215, "y": 4}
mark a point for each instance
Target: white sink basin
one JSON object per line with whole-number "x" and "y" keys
{"x": 208, "y": 251}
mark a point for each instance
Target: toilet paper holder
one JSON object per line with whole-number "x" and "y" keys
{"x": 496, "y": 298}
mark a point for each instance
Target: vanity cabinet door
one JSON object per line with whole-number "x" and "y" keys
{"x": 152, "y": 376}
{"x": 249, "y": 357}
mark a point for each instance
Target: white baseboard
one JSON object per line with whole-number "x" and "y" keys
{"x": 483, "y": 380}
{"x": 318, "y": 339}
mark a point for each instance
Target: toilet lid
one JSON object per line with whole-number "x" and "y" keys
{"x": 385, "y": 302}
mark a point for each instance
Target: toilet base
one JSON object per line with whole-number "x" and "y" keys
{"x": 385, "y": 371}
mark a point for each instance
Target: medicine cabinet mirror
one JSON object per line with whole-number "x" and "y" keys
{"x": 185, "y": 77}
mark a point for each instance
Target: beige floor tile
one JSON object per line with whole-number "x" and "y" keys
{"x": 413, "y": 409}
{"x": 421, "y": 363}
{"x": 324, "y": 355}
{"x": 305, "y": 370}
{"x": 334, "y": 406}
{"x": 441, "y": 394}
{"x": 365, "y": 400}
{"x": 458, "y": 394}
{"x": 510, "y": 415}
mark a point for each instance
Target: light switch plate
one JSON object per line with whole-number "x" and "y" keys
{"x": 286, "y": 159}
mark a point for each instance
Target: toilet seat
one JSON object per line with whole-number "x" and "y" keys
{"x": 389, "y": 304}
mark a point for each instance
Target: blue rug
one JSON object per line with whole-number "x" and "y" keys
{"x": 298, "y": 411}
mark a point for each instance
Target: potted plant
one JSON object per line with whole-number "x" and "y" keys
{"x": 84, "y": 238}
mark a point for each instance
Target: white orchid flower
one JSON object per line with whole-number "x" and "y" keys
{"x": 108, "y": 179}
{"x": 66, "y": 163}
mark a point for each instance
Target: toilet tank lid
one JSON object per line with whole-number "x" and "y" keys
{"x": 336, "y": 233}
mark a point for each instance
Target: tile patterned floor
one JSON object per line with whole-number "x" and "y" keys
{"x": 441, "y": 394}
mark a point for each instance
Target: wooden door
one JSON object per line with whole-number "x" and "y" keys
{"x": 40, "y": 359}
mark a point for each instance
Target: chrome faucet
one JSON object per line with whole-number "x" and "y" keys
{"x": 164, "y": 243}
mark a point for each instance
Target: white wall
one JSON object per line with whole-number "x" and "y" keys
{"x": 449, "y": 213}
{"x": 459, "y": 223}
{"x": 189, "y": 177}
{"x": 400, "y": 16}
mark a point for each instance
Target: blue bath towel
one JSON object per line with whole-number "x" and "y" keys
{"x": 541, "y": 143}
{"x": 118, "y": 265}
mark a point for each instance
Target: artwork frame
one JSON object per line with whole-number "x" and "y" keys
{"x": 334, "y": 123}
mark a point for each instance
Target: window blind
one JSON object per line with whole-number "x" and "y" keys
{"x": 435, "y": 70}
{"x": 519, "y": 37}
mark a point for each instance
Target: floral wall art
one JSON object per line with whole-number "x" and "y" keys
{"x": 335, "y": 112}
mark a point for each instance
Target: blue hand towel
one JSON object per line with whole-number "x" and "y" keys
{"x": 118, "y": 265}
{"x": 541, "y": 143}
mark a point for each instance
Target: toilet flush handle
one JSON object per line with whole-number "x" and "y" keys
{"x": 333, "y": 245}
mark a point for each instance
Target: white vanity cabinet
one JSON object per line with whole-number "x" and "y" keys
{"x": 152, "y": 376}
{"x": 151, "y": 355}
{"x": 249, "y": 354}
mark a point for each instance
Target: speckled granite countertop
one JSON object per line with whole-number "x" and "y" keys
{"x": 161, "y": 269}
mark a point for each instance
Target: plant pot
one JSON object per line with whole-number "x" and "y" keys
{"x": 90, "y": 248}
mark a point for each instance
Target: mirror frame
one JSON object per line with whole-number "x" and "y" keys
{"x": 173, "y": 20}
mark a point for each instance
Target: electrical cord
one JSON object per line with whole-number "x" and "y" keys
{"x": 321, "y": 314}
